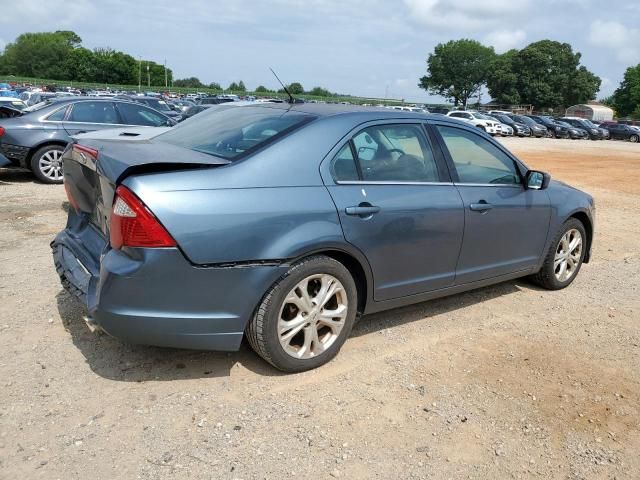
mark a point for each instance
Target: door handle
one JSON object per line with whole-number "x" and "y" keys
{"x": 365, "y": 209}
{"x": 80, "y": 131}
{"x": 481, "y": 206}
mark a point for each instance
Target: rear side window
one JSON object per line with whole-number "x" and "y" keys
{"x": 477, "y": 160}
{"x": 58, "y": 115}
{"x": 232, "y": 132}
{"x": 344, "y": 165}
{"x": 94, "y": 112}
{"x": 133, "y": 114}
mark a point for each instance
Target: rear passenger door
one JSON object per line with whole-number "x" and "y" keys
{"x": 89, "y": 116}
{"x": 506, "y": 225}
{"x": 397, "y": 205}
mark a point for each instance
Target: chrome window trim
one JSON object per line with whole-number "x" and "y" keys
{"x": 389, "y": 182}
{"x": 508, "y": 185}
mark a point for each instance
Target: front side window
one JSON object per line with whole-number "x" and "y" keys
{"x": 395, "y": 153}
{"x": 477, "y": 160}
{"x": 94, "y": 112}
{"x": 133, "y": 114}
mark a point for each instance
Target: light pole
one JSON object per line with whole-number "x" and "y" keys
{"x": 148, "y": 77}
{"x": 165, "y": 73}
{"x": 139, "y": 74}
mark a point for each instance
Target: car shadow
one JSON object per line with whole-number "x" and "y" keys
{"x": 112, "y": 359}
{"x": 12, "y": 175}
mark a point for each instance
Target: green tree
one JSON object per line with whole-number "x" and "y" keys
{"x": 457, "y": 69}
{"x": 543, "y": 74}
{"x": 320, "y": 92}
{"x": 295, "y": 88}
{"x": 233, "y": 87}
{"x": 502, "y": 80}
{"x": 626, "y": 98}
{"x": 80, "y": 66}
{"x": 241, "y": 86}
{"x": 191, "y": 82}
{"x": 215, "y": 86}
{"x": 40, "y": 54}
{"x": 261, "y": 89}
{"x": 115, "y": 67}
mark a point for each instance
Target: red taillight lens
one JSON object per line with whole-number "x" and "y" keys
{"x": 133, "y": 224}
{"x": 84, "y": 151}
{"x": 1, "y": 131}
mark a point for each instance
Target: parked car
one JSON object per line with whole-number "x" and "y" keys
{"x": 11, "y": 107}
{"x": 477, "y": 119}
{"x": 620, "y": 131}
{"x": 183, "y": 105}
{"x": 537, "y": 130}
{"x": 36, "y": 139}
{"x": 519, "y": 129}
{"x": 153, "y": 102}
{"x": 575, "y": 133}
{"x": 282, "y": 223}
{"x": 593, "y": 131}
{"x": 556, "y": 130}
{"x": 213, "y": 100}
{"x": 506, "y": 130}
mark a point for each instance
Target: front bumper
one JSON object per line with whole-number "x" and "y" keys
{"x": 155, "y": 296}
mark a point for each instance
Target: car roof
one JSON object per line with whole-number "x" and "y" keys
{"x": 327, "y": 110}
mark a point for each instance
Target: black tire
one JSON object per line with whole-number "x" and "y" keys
{"x": 262, "y": 331}
{"x": 546, "y": 277}
{"x": 36, "y": 166}
{"x": 634, "y": 138}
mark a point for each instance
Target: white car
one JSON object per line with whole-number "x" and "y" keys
{"x": 479, "y": 120}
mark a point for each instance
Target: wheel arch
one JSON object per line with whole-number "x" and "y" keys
{"x": 44, "y": 143}
{"x": 357, "y": 265}
{"x": 583, "y": 218}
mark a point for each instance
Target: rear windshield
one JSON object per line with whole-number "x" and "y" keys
{"x": 234, "y": 131}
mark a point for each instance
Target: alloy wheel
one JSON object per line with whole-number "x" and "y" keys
{"x": 568, "y": 255}
{"x": 312, "y": 316}
{"x": 50, "y": 164}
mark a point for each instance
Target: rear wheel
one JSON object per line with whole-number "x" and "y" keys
{"x": 46, "y": 164}
{"x": 305, "y": 317}
{"x": 565, "y": 256}
{"x": 634, "y": 138}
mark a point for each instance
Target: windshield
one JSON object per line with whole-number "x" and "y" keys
{"x": 504, "y": 119}
{"x": 233, "y": 132}
{"x": 525, "y": 120}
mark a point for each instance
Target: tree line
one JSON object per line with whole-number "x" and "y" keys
{"x": 544, "y": 74}
{"x": 60, "y": 56}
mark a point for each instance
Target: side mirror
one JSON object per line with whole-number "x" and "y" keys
{"x": 537, "y": 180}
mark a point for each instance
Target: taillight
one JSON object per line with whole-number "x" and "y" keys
{"x": 84, "y": 151}
{"x": 1, "y": 131}
{"x": 133, "y": 224}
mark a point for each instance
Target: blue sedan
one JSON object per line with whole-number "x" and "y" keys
{"x": 282, "y": 223}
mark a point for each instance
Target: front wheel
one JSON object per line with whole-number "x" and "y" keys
{"x": 634, "y": 138}
{"x": 306, "y": 316}
{"x": 565, "y": 257}
{"x": 46, "y": 164}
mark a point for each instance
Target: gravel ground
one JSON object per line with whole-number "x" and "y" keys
{"x": 504, "y": 382}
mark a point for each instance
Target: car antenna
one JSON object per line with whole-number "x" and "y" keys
{"x": 291, "y": 99}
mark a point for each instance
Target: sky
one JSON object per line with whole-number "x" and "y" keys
{"x": 369, "y": 48}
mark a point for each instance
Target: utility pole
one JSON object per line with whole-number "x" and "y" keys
{"x": 148, "y": 77}
{"x": 139, "y": 74}
{"x": 165, "y": 73}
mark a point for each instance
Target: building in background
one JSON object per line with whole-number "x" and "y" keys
{"x": 599, "y": 113}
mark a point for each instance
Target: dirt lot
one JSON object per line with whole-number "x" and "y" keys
{"x": 504, "y": 382}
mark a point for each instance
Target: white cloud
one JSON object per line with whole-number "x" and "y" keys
{"x": 503, "y": 40}
{"x": 622, "y": 40}
{"x": 465, "y": 15}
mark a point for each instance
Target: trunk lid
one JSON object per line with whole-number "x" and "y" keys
{"x": 92, "y": 180}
